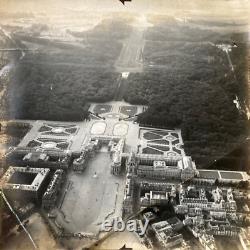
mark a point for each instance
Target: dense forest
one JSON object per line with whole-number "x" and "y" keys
{"x": 57, "y": 81}
{"x": 59, "y": 92}
{"x": 188, "y": 84}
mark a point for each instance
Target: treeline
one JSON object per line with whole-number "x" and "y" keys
{"x": 58, "y": 92}
{"x": 58, "y": 81}
{"x": 190, "y": 85}
{"x": 15, "y": 131}
{"x": 211, "y": 124}
{"x": 98, "y": 47}
{"x": 108, "y": 29}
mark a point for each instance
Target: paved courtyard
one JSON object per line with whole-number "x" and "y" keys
{"x": 94, "y": 195}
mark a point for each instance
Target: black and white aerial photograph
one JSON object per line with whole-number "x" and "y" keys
{"x": 124, "y": 124}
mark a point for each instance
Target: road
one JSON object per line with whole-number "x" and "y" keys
{"x": 7, "y": 68}
{"x": 130, "y": 59}
{"x": 248, "y": 77}
{"x": 8, "y": 36}
{"x": 121, "y": 89}
{"x": 131, "y": 56}
{"x": 4, "y": 73}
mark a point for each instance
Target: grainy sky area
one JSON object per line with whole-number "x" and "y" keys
{"x": 213, "y": 7}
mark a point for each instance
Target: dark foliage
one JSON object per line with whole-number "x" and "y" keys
{"x": 192, "y": 87}
{"x": 58, "y": 81}
{"x": 59, "y": 92}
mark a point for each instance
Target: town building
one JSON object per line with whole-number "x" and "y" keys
{"x": 165, "y": 235}
{"x": 52, "y": 193}
{"x": 216, "y": 201}
{"x": 165, "y": 177}
{"x": 25, "y": 183}
{"x": 128, "y": 201}
{"x": 149, "y": 216}
{"x": 207, "y": 241}
{"x": 116, "y": 156}
{"x": 244, "y": 238}
{"x": 53, "y": 159}
{"x": 165, "y": 168}
{"x": 154, "y": 198}
{"x": 222, "y": 177}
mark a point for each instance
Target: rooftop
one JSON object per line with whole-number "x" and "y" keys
{"x": 225, "y": 175}
{"x": 23, "y": 178}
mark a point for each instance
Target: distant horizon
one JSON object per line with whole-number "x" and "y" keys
{"x": 194, "y": 7}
